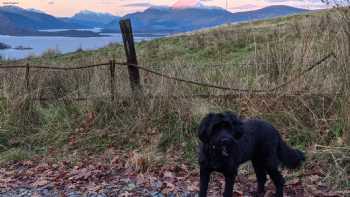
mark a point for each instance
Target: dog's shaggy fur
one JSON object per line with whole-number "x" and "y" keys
{"x": 228, "y": 141}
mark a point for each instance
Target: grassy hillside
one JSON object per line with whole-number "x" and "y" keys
{"x": 258, "y": 55}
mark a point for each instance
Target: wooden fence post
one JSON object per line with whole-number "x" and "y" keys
{"x": 27, "y": 79}
{"x": 129, "y": 46}
{"x": 112, "y": 70}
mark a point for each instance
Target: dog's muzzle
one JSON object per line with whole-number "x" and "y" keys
{"x": 225, "y": 143}
{"x": 224, "y": 151}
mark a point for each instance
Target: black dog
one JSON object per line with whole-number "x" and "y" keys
{"x": 228, "y": 141}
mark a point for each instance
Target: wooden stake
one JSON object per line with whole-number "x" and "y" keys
{"x": 129, "y": 46}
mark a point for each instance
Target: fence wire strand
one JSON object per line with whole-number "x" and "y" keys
{"x": 208, "y": 85}
{"x": 193, "y": 82}
{"x": 55, "y": 67}
{"x": 304, "y": 72}
{"x": 310, "y": 68}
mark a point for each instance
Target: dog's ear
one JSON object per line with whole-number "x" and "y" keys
{"x": 236, "y": 124}
{"x": 205, "y": 127}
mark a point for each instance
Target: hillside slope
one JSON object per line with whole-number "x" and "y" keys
{"x": 80, "y": 140}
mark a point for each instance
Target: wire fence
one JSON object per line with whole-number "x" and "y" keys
{"x": 55, "y": 68}
{"x": 309, "y": 68}
{"x": 112, "y": 64}
{"x": 134, "y": 76}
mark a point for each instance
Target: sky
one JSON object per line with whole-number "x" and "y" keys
{"x": 122, "y": 7}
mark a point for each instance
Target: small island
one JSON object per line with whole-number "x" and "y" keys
{"x": 4, "y": 46}
{"x": 20, "y": 47}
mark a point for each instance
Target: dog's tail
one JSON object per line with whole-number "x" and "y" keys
{"x": 291, "y": 158}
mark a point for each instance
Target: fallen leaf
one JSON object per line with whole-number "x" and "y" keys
{"x": 238, "y": 193}
{"x": 126, "y": 194}
{"x": 168, "y": 174}
{"x": 193, "y": 187}
{"x": 40, "y": 183}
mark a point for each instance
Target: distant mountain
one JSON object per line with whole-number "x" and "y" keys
{"x": 36, "y": 10}
{"x": 4, "y": 46}
{"x": 267, "y": 12}
{"x": 169, "y": 20}
{"x": 181, "y": 18}
{"x": 91, "y": 19}
{"x": 7, "y": 27}
{"x": 33, "y": 20}
{"x": 17, "y": 21}
{"x": 182, "y": 4}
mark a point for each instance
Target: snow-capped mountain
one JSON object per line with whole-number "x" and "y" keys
{"x": 36, "y": 10}
{"x": 183, "y": 4}
{"x": 91, "y": 19}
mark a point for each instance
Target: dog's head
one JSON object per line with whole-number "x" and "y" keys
{"x": 221, "y": 131}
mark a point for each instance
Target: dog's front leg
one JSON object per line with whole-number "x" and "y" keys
{"x": 204, "y": 181}
{"x": 229, "y": 182}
